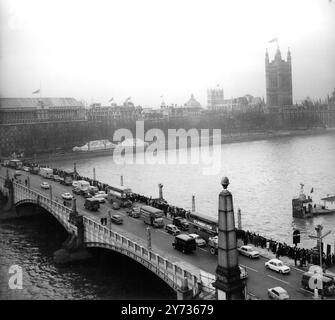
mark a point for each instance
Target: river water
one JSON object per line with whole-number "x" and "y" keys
{"x": 264, "y": 176}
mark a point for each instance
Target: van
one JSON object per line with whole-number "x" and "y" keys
{"x": 92, "y": 204}
{"x": 327, "y": 283}
{"x": 184, "y": 243}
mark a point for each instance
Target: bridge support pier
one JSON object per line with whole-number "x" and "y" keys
{"x": 184, "y": 293}
{"x": 73, "y": 248}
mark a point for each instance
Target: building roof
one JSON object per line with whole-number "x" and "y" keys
{"x": 192, "y": 103}
{"x": 330, "y": 199}
{"x": 33, "y": 103}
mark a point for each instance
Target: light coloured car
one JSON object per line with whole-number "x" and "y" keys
{"x": 102, "y": 194}
{"x": 248, "y": 251}
{"x": 45, "y": 185}
{"x": 26, "y": 169}
{"x": 100, "y": 199}
{"x": 117, "y": 219}
{"x": 278, "y": 293}
{"x": 277, "y": 265}
{"x": 198, "y": 240}
{"x": 67, "y": 196}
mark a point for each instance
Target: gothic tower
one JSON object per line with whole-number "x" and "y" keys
{"x": 278, "y": 81}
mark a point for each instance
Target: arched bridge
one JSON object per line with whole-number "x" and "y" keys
{"x": 181, "y": 276}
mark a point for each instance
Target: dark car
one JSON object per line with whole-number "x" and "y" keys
{"x": 181, "y": 223}
{"x": 172, "y": 229}
{"x": 117, "y": 219}
{"x": 184, "y": 243}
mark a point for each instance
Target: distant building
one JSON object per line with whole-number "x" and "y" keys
{"x": 240, "y": 104}
{"x": 215, "y": 98}
{"x": 278, "y": 81}
{"x": 30, "y": 110}
{"x": 113, "y": 113}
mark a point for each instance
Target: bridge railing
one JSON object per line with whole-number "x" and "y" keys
{"x": 60, "y": 212}
{"x": 172, "y": 273}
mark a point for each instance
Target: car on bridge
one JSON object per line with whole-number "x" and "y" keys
{"x": 102, "y": 194}
{"x": 99, "y": 198}
{"x": 134, "y": 212}
{"x": 277, "y": 265}
{"x": 92, "y": 204}
{"x": 198, "y": 240}
{"x": 248, "y": 251}
{"x": 67, "y": 196}
{"x": 278, "y": 293}
{"x": 45, "y": 185}
{"x": 172, "y": 229}
{"x": 117, "y": 219}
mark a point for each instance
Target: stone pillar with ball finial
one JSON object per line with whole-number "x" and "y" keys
{"x": 228, "y": 284}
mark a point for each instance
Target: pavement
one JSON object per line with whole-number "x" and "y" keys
{"x": 259, "y": 278}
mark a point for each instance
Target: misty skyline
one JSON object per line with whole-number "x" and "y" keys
{"x": 96, "y": 50}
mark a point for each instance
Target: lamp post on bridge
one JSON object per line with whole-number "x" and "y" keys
{"x": 193, "y": 203}
{"x": 239, "y": 219}
{"x": 50, "y": 193}
{"x": 121, "y": 180}
{"x": 149, "y": 237}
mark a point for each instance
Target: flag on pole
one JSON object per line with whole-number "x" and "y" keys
{"x": 312, "y": 190}
{"x": 274, "y": 40}
{"x": 110, "y": 100}
{"x": 128, "y": 98}
{"x": 37, "y": 91}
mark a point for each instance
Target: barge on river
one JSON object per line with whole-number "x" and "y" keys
{"x": 303, "y": 207}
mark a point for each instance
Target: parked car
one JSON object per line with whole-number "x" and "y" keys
{"x": 45, "y": 185}
{"x": 198, "y": 240}
{"x": 277, "y": 265}
{"x": 26, "y": 169}
{"x": 172, "y": 229}
{"x": 67, "y": 196}
{"x": 117, "y": 219}
{"x": 278, "y": 293}
{"x": 248, "y": 251}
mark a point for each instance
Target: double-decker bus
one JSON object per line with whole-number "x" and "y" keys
{"x": 205, "y": 226}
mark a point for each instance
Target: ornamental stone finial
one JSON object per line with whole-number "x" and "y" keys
{"x": 225, "y": 182}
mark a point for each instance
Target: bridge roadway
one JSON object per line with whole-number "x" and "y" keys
{"x": 259, "y": 278}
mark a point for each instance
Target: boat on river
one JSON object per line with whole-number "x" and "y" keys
{"x": 303, "y": 207}
{"x": 96, "y": 146}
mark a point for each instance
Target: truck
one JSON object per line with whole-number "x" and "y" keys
{"x": 92, "y": 204}
{"x": 213, "y": 245}
{"x": 46, "y": 172}
{"x": 152, "y": 216}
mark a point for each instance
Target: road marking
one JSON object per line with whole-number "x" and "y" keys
{"x": 202, "y": 249}
{"x": 278, "y": 279}
{"x": 305, "y": 290}
{"x": 297, "y": 269}
{"x": 248, "y": 268}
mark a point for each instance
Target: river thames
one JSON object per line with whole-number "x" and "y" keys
{"x": 264, "y": 177}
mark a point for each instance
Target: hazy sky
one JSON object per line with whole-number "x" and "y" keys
{"x": 95, "y": 50}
